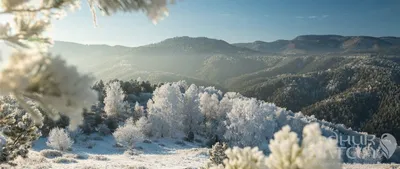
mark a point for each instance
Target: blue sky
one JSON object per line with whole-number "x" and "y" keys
{"x": 237, "y": 21}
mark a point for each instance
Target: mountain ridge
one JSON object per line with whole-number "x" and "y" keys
{"x": 304, "y": 44}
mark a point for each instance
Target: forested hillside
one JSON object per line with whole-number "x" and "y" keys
{"x": 360, "y": 92}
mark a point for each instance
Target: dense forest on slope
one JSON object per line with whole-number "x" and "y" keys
{"x": 361, "y": 93}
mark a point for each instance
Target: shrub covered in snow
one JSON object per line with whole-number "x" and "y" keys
{"x": 51, "y": 153}
{"x": 64, "y": 160}
{"x": 59, "y": 139}
{"x": 217, "y": 153}
{"x": 128, "y": 134}
{"x": 315, "y": 151}
{"x": 99, "y": 158}
{"x": 76, "y": 156}
{"x": 244, "y": 158}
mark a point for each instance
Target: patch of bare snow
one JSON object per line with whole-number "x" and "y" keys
{"x": 159, "y": 154}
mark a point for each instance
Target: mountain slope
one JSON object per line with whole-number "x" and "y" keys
{"x": 187, "y": 57}
{"x": 86, "y": 56}
{"x": 360, "y": 92}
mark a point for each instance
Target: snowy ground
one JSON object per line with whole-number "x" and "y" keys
{"x": 159, "y": 154}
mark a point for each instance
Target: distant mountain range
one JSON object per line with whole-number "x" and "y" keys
{"x": 353, "y": 80}
{"x": 327, "y": 44}
{"x": 199, "y": 57}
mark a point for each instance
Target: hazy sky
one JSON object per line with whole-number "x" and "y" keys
{"x": 237, "y": 21}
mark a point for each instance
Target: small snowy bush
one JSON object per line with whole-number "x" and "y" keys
{"x": 76, "y": 156}
{"x": 51, "y": 153}
{"x": 128, "y": 134}
{"x": 59, "y": 139}
{"x": 217, "y": 153}
{"x": 246, "y": 158}
{"x": 99, "y": 158}
{"x": 315, "y": 152}
{"x": 64, "y": 160}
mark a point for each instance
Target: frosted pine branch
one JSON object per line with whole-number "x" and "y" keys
{"x": 50, "y": 82}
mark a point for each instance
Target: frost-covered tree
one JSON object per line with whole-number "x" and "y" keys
{"x": 32, "y": 72}
{"x": 217, "y": 154}
{"x": 116, "y": 109}
{"x": 249, "y": 122}
{"x": 114, "y": 104}
{"x": 128, "y": 134}
{"x": 165, "y": 111}
{"x": 191, "y": 108}
{"x": 314, "y": 152}
{"x": 183, "y": 86}
{"x": 59, "y": 139}
{"x": 211, "y": 90}
{"x": 209, "y": 107}
{"x": 17, "y": 129}
{"x": 138, "y": 111}
{"x": 144, "y": 126}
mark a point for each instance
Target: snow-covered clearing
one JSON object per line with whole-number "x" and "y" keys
{"x": 159, "y": 154}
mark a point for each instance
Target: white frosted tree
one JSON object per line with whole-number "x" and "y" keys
{"x": 138, "y": 111}
{"x": 144, "y": 126}
{"x": 191, "y": 108}
{"x": 210, "y": 90}
{"x": 225, "y": 106}
{"x": 59, "y": 139}
{"x": 128, "y": 134}
{"x": 249, "y": 123}
{"x": 166, "y": 110}
{"x": 209, "y": 107}
{"x": 114, "y": 104}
